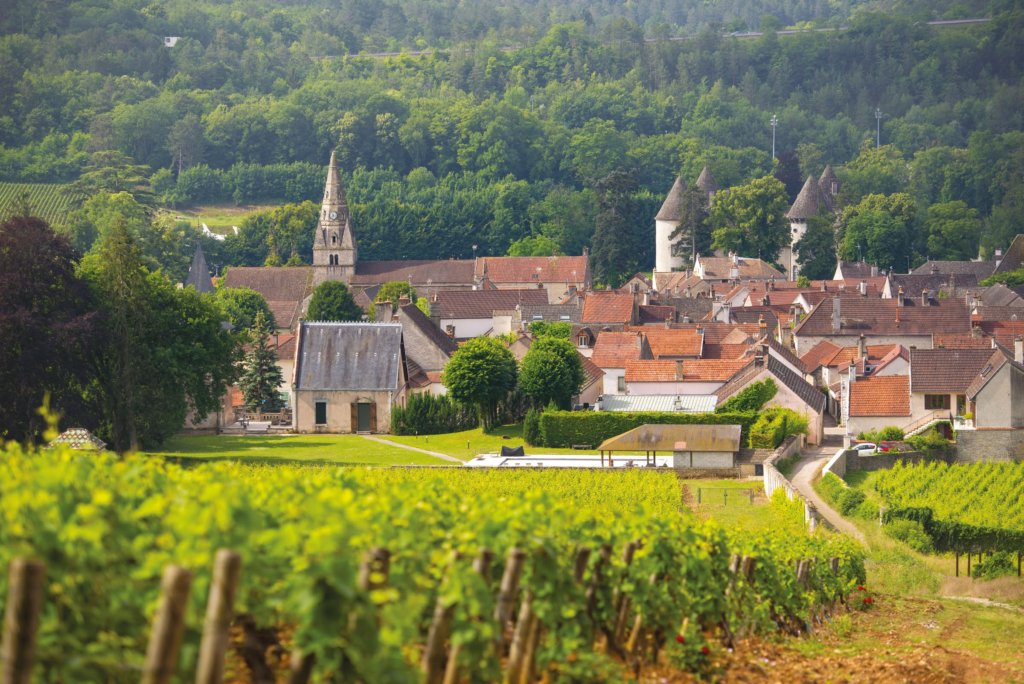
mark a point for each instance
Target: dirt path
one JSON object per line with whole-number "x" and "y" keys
{"x": 435, "y": 454}
{"x": 806, "y": 472}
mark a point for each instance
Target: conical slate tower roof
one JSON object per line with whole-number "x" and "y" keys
{"x": 828, "y": 180}
{"x": 671, "y": 209}
{"x": 334, "y": 211}
{"x": 199, "y": 273}
{"x": 810, "y": 202}
{"x": 706, "y": 182}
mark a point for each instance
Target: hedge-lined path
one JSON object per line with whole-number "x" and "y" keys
{"x": 435, "y": 454}
{"x": 806, "y": 471}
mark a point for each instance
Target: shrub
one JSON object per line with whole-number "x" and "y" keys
{"x": 426, "y": 414}
{"x": 911, "y": 533}
{"x": 531, "y": 427}
{"x": 752, "y": 398}
{"x": 931, "y": 443}
{"x": 851, "y": 501}
{"x": 563, "y": 429}
{"x": 773, "y": 426}
{"x": 890, "y": 433}
{"x": 998, "y": 564}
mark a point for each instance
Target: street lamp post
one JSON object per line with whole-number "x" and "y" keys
{"x": 878, "y": 127}
{"x": 774, "y": 123}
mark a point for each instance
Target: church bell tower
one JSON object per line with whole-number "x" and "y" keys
{"x": 334, "y": 245}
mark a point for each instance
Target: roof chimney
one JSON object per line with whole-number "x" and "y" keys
{"x": 382, "y": 311}
{"x": 862, "y": 287}
{"x": 975, "y": 331}
{"x": 853, "y": 371}
{"x": 700, "y": 330}
{"x": 640, "y": 341}
{"x": 899, "y": 296}
{"x": 679, "y": 369}
{"x": 762, "y": 325}
{"x": 862, "y": 347}
{"x": 924, "y": 297}
{"x": 668, "y": 322}
{"x": 874, "y": 271}
{"x": 837, "y": 321}
{"x": 935, "y": 268}
{"x": 1018, "y": 349}
{"x": 450, "y": 331}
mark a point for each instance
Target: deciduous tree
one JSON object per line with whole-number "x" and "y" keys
{"x": 482, "y": 373}
{"x": 751, "y": 219}
{"x": 332, "y": 301}
{"x": 551, "y": 371}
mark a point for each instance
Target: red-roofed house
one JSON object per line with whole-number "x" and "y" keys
{"x": 879, "y": 402}
{"x": 609, "y": 308}
{"x": 612, "y": 351}
{"x": 555, "y": 274}
{"x": 680, "y": 376}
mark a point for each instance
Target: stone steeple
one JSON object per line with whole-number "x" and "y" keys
{"x": 334, "y": 244}
{"x": 199, "y": 273}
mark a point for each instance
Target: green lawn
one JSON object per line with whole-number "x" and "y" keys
{"x": 470, "y": 443}
{"x": 728, "y": 502}
{"x": 342, "y": 449}
{"x": 218, "y": 217}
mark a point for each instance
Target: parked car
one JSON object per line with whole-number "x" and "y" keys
{"x": 887, "y": 446}
{"x": 866, "y": 448}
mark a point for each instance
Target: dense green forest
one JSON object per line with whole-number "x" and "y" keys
{"x": 535, "y": 121}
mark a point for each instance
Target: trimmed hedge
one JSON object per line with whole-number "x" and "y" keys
{"x": 564, "y": 429}
{"x": 773, "y": 426}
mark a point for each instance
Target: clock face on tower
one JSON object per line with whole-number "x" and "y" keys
{"x": 333, "y": 215}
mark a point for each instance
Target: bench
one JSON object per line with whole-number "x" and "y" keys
{"x": 582, "y": 446}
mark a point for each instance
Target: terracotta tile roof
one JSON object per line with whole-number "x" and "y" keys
{"x": 999, "y": 295}
{"x": 284, "y": 288}
{"x": 715, "y": 332}
{"x": 1004, "y": 332}
{"x": 857, "y": 269}
{"x": 885, "y": 395}
{"x": 615, "y": 349}
{"x": 681, "y": 281}
{"x": 553, "y": 269}
{"x": 817, "y": 355}
{"x": 440, "y": 272}
{"x": 898, "y": 352}
{"x": 479, "y": 304}
{"x": 591, "y": 370}
{"x": 652, "y": 314}
{"x": 998, "y": 313}
{"x": 693, "y": 370}
{"x": 285, "y": 350}
{"x": 951, "y": 283}
{"x": 719, "y": 268}
{"x": 743, "y": 377}
{"x": 673, "y": 343}
{"x": 607, "y": 307}
{"x": 961, "y": 340}
{"x": 724, "y": 351}
{"x": 865, "y": 315}
{"x": 569, "y": 313}
{"x": 945, "y": 370}
{"x": 843, "y": 357}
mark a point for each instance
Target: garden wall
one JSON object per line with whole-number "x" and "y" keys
{"x": 991, "y": 444}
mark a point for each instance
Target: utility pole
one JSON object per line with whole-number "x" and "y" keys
{"x": 878, "y": 127}
{"x": 774, "y": 123}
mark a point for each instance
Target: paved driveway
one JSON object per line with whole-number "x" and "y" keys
{"x": 807, "y": 470}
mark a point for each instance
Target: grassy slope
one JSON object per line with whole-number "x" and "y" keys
{"x": 341, "y": 449}
{"x": 218, "y": 217}
{"x": 455, "y": 443}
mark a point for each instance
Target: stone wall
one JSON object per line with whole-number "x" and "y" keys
{"x": 992, "y": 444}
{"x": 773, "y": 479}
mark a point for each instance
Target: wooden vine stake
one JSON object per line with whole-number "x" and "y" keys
{"x": 621, "y": 601}
{"x": 21, "y": 619}
{"x": 507, "y": 595}
{"x": 168, "y": 626}
{"x": 482, "y": 567}
{"x": 433, "y": 663}
{"x": 227, "y": 569}
{"x": 520, "y": 639}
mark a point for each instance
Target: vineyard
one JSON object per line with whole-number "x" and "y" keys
{"x": 962, "y": 507}
{"x": 49, "y": 201}
{"x": 351, "y": 574}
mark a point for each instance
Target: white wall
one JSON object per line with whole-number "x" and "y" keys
{"x": 467, "y": 327}
{"x": 663, "y": 259}
{"x": 611, "y": 380}
{"x": 805, "y": 343}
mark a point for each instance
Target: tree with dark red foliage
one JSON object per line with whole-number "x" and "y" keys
{"x": 48, "y": 327}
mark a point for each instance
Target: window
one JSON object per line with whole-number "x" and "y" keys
{"x": 622, "y": 383}
{"x": 321, "y": 412}
{"x": 583, "y": 341}
{"x": 935, "y": 402}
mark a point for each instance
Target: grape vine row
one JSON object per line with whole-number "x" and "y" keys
{"x": 48, "y": 201}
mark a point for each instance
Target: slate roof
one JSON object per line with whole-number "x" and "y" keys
{"x": 1013, "y": 258}
{"x": 998, "y": 313}
{"x": 410, "y": 314}
{"x": 719, "y": 268}
{"x": 855, "y": 270}
{"x": 884, "y": 395}
{"x": 949, "y": 283}
{"x": 284, "y": 288}
{"x": 551, "y": 312}
{"x": 671, "y": 208}
{"x": 706, "y": 182}
{"x": 865, "y": 315}
{"x": 979, "y": 269}
{"x": 607, "y": 307}
{"x": 946, "y": 370}
{"x": 808, "y": 393}
{"x": 199, "y": 273}
{"x": 788, "y": 354}
{"x": 615, "y": 349}
{"x": 442, "y": 273}
{"x": 667, "y": 342}
{"x": 349, "y": 356}
{"x": 693, "y": 370}
{"x": 810, "y": 202}
{"x": 999, "y": 295}
{"x": 553, "y": 269}
{"x": 999, "y": 358}
{"x": 652, "y": 314}
{"x": 478, "y": 304}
